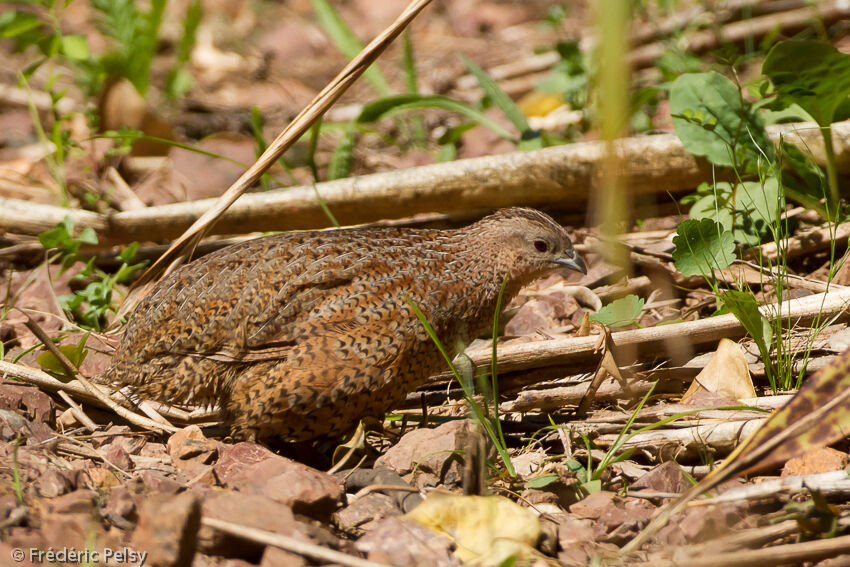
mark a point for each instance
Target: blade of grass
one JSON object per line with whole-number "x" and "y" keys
{"x": 347, "y": 43}
{"x": 468, "y": 394}
{"x": 494, "y": 374}
{"x": 528, "y": 139}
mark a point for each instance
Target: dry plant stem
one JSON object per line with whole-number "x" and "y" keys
{"x": 814, "y": 240}
{"x": 650, "y": 32}
{"x": 561, "y": 174}
{"x": 288, "y": 543}
{"x": 124, "y": 195}
{"x": 299, "y": 125}
{"x": 745, "y": 539}
{"x": 794, "y": 553}
{"x": 574, "y": 350}
{"x": 746, "y": 457}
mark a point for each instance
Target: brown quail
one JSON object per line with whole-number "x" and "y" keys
{"x": 302, "y": 334}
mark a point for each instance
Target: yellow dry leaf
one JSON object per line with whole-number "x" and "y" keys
{"x": 539, "y": 103}
{"x": 726, "y": 374}
{"x": 486, "y": 529}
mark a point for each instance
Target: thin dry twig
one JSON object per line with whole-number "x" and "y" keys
{"x": 288, "y": 543}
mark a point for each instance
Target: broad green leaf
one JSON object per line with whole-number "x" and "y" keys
{"x": 713, "y": 120}
{"x": 75, "y": 47}
{"x": 620, "y": 312}
{"x": 748, "y": 210}
{"x": 701, "y": 247}
{"x": 76, "y": 354}
{"x": 14, "y": 23}
{"x": 56, "y": 237}
{"x": 812, "y": 74}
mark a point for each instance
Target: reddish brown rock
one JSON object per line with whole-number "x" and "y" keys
{"x": 435, "y": 454}
{"x": 77, "y": 502}
{"x": 816, "y": 461}
{"x": 594, "y": 505}
{"x": 276, "y": 557}
{"x": 251, "y": 510}
{"x": 29, "y": 402}
{"x": 405, "y": 543}
{"x": 168, "y": 529}
{"x": 535, "y": 315}
{"x": 304, "y": 489}
{"x": 363, "y": 512}
{"x": 666, "y": 477}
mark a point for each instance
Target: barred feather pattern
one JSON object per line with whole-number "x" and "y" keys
{"x": 302, "y": 334}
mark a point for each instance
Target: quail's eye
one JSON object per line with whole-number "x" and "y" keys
{"x": 541, "y": 245}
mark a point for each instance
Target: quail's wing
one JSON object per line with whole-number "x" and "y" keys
{"x": 227, "y": 305}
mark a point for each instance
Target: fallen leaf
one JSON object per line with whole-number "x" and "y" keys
{"x": 726, "y": 374}
{"x": 488, "y": 530}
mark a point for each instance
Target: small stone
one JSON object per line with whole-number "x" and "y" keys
{"x": 76, "y": 502}
{"x": 117, "y": 456}
{"x": 29, "y": 401}
{"x": 666, "y": 477}
{"x": 236, "y": 458}
{"x": 535, "y": 315}
{"x": 594, "y": 505}
{"x": 51, "y": 484}
{"x": 361, "y": 513}
{"x": 250, "y": 510}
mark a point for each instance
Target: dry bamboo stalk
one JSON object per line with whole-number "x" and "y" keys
{"x": 560, "y": 176}
{"x": 811, "y": 241}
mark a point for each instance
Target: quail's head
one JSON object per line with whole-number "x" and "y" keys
{"x": 530, "y": 243}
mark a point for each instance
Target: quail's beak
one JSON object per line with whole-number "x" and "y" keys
{"x": 574, "y": 263}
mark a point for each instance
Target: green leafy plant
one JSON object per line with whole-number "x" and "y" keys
{"x": 90, "y": 305}
{"x": 135, "y": 37}
{"x": 748, "y": 210}
{"x": 529, "y": 139}
{"x": 816, "y": 77}
{"x": 570, "y": 77}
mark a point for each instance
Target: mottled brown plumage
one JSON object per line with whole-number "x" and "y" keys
{"x": 302, "y": 334}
